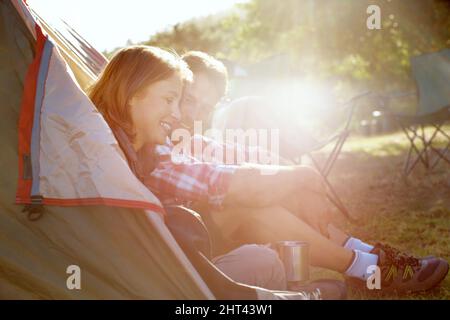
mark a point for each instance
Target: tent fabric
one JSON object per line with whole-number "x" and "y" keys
{"x": 26, "y": 16}
{"x": 432, "y": 74}
{"x": 71, "y": 146}
{"x": 72, "y": 164}
{"x": 84, "y": 61}
{"x": 119, "y": 251}
{"x": 61, "y": 139}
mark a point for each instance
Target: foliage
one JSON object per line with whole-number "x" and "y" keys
{"x": 327, "y": 37}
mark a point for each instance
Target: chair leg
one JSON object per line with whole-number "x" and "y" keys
{"x": 424, "y": 154}
{"x": 428, "y": 145}
{"x": 407, "y": 168}
{"x": 441, "y": 155}
{"x": 334, "y": 155}
{"x": 407, "y": 160}
{"x": 409, "y": 163}
{"x": 332, "y": 194}
{"x": 420, "y": 153}
{"x": 334, "y": 198}
{"x": 422, "y": 137}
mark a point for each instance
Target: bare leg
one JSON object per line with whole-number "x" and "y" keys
{"x": 337, "y": 235}
{"x": 271, "y": 224}
{"x": 307, "y": 202}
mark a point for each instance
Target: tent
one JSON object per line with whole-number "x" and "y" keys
{"x": 67, "y": 195}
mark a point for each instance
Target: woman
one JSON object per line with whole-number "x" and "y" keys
{"x": 138, "y": 94}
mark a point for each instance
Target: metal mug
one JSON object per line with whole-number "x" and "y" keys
{"x": 295, "y": 258}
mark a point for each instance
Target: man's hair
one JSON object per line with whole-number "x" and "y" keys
{"x": 215, "y": 70}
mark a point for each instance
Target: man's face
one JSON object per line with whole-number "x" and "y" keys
{"x": 198, "y": 101}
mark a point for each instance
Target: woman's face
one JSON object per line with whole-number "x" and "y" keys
{"x": 154, "y": 111}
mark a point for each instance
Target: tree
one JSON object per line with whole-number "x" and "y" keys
{"x": 328, "y": 38}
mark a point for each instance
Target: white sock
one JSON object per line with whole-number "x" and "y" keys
{"x": 356, "y": 244}
{"x": 361, "y": 262}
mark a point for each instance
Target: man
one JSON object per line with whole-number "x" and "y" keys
{"x": 202, "y": 95}
{"x": 290, "y": 205}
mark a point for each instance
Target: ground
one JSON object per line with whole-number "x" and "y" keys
{"x": 411, "y": 214}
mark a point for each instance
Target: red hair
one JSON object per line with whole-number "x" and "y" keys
{"x": 129, "y": 71}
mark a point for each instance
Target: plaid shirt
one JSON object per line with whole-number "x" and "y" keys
{"x": 185, "y": 179}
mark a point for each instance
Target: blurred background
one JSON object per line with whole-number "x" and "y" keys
{"x": 309, "y": 55}
{"x": 317, "y": 52}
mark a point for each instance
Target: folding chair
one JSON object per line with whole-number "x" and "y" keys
{"x": 338, "y": 139}
{"x": 414, "y": 130}
{"x": 432, "y": 75}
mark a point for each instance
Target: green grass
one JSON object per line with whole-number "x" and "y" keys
{"x": 411, "y": 214}
{"x": 393, "y": 144}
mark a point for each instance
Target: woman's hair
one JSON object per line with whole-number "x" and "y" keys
{"x": 129, "y": 71}
{"x": 215, "y": 70}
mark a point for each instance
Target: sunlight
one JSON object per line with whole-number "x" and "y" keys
{"x": 302, "y": 102}
{"x": 108, "y": 24}
{"x": 312, "y": 95}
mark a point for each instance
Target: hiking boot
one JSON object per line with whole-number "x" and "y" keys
{"x": 394, "y": 251}
{"x": 325, "y": 289}
{"x": 403, "y": 273}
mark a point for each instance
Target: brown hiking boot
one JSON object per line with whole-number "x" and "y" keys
{"x": 404, "y": 273}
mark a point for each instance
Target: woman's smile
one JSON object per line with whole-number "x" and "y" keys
{"x": 155, "y": 110}
{"x": 166, "y": 126}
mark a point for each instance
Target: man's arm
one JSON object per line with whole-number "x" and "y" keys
{"x": 250, "y": 187}
{"x": 250, "y": 154}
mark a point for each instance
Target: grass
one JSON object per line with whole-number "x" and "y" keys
{"x": 393, "y": 144}
{"x": 412, "y": 214}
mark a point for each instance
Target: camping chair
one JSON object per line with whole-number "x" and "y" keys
{"x": 432, "y": 76}
{"x": 338, "y": 139}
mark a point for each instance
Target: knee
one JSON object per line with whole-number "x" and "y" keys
{"x": 310, "y": 176}
{"x": 255, "y": 265}
{"x": 268, "y": 268}
{"x": 260, "y": 254}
